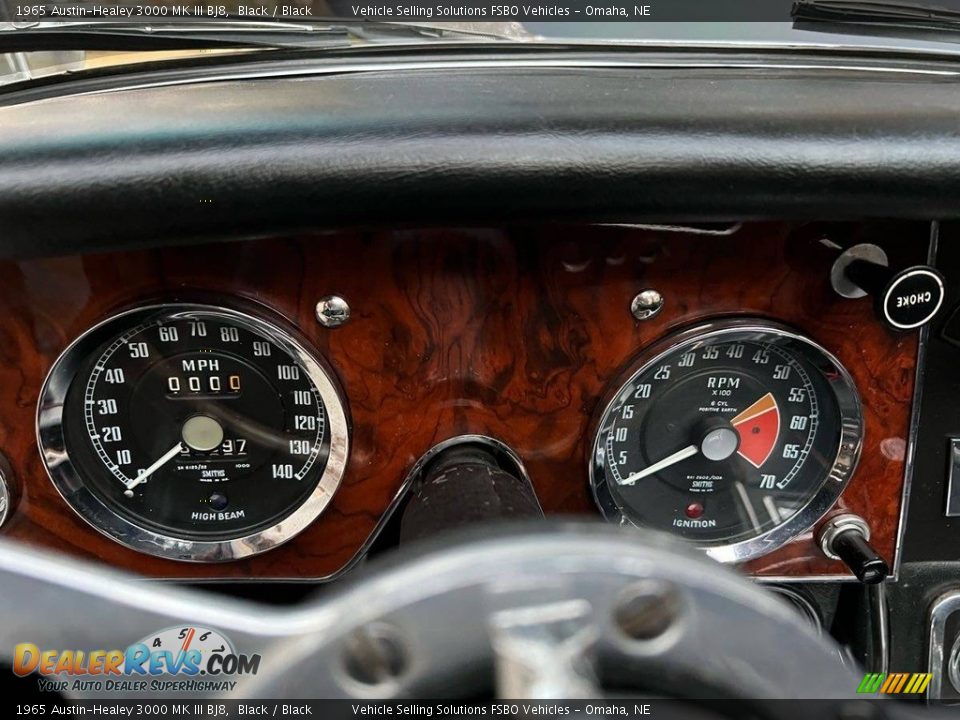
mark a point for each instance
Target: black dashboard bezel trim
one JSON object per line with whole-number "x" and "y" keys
{"x": 637, "y": 135}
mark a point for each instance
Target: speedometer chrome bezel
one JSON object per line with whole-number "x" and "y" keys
{"x": 67, "y": 479}
{"x": 845, "y": 461}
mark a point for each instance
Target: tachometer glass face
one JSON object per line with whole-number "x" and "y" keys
{"x": 726, "y": 435}
{"x": 199, "y": 424}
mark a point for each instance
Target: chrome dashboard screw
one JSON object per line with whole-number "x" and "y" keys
{"x": 332, "y": 311}
{"x": 647, "y": 304}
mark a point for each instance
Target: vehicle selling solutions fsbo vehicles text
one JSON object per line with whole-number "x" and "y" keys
{"x": 499, "y": 12}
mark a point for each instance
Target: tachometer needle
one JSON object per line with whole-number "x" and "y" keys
{"x": 679, "y": 455}
{"x": 142, "y": 477}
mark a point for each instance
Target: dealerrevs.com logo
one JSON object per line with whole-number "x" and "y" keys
{"x": 178, "y": 659}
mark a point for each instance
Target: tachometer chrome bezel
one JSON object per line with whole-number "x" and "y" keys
{"x": 66, "y": 477}
{"x": 845, "y": 461}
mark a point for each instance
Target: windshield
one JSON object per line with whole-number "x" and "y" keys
{"x": 45, "y": 38}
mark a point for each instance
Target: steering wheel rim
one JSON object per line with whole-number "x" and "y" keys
{"x": 607, "y": 610}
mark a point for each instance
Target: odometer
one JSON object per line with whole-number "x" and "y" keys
{"x": 736, "y": 436}
{"x": 193, "y": 432}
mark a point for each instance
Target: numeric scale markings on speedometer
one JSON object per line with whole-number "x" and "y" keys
{"x": 196, "y": 423}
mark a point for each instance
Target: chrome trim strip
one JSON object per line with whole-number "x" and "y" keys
{"x": 914, "y": 431}
{"x": 725, "y": 231}
{"x": 355, "y": 67}
{"x": 877, "y": 593}
{"x": 804, "y": 579}
{"x": 66, "y": 477}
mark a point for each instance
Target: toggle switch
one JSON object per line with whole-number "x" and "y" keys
{"x": 846, "y": 538}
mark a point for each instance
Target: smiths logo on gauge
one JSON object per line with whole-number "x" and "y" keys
{"x": 737, "y": 436}
{"x": 193, "y": 432}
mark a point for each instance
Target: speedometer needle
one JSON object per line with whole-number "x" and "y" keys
{"x": 679, "y": 455}
{"x": 142, "y": 477}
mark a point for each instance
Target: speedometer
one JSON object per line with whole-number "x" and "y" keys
{"x": 193, "y": 432}
{"x": 736, "y": 436}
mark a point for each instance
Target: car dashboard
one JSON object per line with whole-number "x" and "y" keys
{"x": 426, "y": 349}
{"x": 264, "y": 325}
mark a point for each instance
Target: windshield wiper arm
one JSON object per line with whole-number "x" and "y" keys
{"x": 882, "y": 17}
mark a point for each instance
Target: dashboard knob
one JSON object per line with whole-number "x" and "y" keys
{"x": 846, "y": 538}
{"x": 904, "y": 299}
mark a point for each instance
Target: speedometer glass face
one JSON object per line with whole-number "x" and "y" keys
{"x": 193, "y": 432}
{"x": 735, "y": 436}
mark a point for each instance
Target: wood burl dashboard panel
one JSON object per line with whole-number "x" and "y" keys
{"x": 517, "y": 334}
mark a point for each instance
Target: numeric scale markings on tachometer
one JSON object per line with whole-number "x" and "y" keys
{"x": 666, "y": 452}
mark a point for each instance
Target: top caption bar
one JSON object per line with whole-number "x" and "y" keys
{"x": 407, "y": 11}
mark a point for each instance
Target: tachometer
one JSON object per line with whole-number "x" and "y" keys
{"x": 737, "y": 436}
{"x": 193, "y": 432}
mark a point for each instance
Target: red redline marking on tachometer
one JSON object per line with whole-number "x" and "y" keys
{"x": 759, "y": 427}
